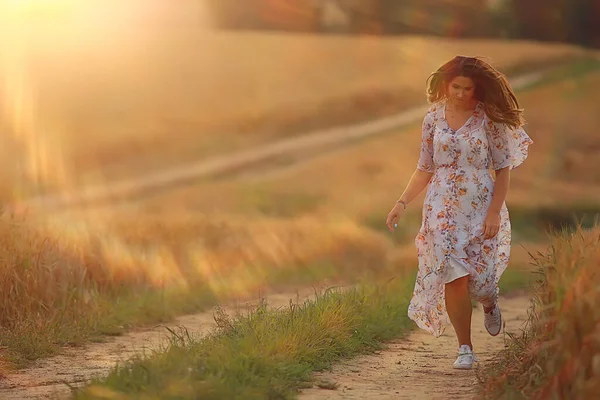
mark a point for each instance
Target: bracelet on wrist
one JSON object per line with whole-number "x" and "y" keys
{"x": 401, "y": 202}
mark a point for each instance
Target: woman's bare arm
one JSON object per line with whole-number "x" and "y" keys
{"x": 417, "y": 183}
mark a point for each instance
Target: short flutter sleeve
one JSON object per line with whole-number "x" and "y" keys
{"x": 508, "y": 146}
{"x": 425, "y": 162}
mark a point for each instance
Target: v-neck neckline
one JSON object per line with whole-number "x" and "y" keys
{"x": 473, "y": 114}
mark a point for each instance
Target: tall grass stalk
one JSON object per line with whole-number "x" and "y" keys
{"x": 557, "y": 356}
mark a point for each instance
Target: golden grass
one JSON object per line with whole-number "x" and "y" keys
{"x": 231, "y": 255}
{"x": 159, "y": 94}
{"x": 63, "y": 280}
{"x": 62, "y": 272}
{"x": 557, "y": 355}
{"x": 239, "y": 255}
{"x": 362, "y": 181}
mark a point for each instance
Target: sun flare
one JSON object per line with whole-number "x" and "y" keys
{"x": 34, "y": 9}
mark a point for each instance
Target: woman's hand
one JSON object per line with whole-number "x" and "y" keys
{"x": 394, "y": 215}
{"x": 491, "y": 225}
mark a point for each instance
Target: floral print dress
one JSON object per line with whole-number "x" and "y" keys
{"x": 450, "y": 242}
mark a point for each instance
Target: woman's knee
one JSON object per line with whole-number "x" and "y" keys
{"x": 459, "y": 284}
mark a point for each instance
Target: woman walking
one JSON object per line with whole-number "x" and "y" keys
{"x": 474, "y": 125}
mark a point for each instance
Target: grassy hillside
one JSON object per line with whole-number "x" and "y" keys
{"x": 362, "y": 180}
{"x": 140, "y": 96}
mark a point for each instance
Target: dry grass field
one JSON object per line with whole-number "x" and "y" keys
{"x": 66, "y": 281}
{"x": 360, "y": 182}
{"x": 123, "y": 96}
{"x": 96, "y": 111}
{"x": 364, "y": 179}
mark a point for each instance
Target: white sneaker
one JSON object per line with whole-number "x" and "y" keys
{"x": 465, "y": 358}
{"x": 493, "y": 321}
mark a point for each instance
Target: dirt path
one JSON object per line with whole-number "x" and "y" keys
{"x": 419, "y": 366}
{"x": 48, "y": 378}
{"x": 416, "y": 367}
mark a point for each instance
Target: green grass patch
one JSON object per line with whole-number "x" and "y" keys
{"x": 517, "y": 279}
{"x": 265, "y": 353}
{"x": 574, "y": 71}
{"x": 149, "y": 306}
{"x": 541, "y": 222}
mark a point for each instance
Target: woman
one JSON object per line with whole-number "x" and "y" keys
{"x": 473, "y": 125}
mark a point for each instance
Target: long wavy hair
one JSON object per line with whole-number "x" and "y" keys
{"x": 491, "y": 88}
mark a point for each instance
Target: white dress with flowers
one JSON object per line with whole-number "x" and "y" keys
{"x": 450, "y": 243}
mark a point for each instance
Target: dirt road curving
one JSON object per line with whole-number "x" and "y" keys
{"x": 419, "y": 366}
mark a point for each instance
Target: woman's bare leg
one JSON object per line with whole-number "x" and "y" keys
{"x": 458, "y": 305}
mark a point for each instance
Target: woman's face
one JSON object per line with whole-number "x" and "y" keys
{"x": 461, "y": 89}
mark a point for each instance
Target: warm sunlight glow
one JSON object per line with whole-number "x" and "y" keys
{"x": 39, "y": 160}
{"x": 37, "y": 11}
{"x": 47, "y": 44}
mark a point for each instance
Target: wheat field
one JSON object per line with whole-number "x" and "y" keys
{"x": 360, "y": 182}
{"x": 355, "y": 180}
{"x": 121, "y": 97}
{"x": 96, "y": 111}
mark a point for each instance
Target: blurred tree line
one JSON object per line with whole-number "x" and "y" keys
{"x": 573, "y": 21}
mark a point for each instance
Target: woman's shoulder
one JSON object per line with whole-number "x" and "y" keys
{"x": 434, "y": 110}
{"x": 436, "y": 106}
{"x": 495, "y": 123}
